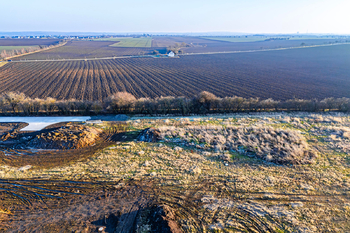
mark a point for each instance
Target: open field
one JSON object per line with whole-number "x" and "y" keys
{"x": 203, "y": 45}
{"x": 263, "y": 38}
{"x": 165, "y": 41}
{"x": 302, "y": 73}
{"x": 85, "y": 49}
{"x": 223, "y": 46}
{"x": 129, "y": 41}
{"x": 100, "y": 49}
{"x": 318, "y": 37}
{"x": 13, "y": 47}
{"x": 238, "y": 38}
{"x": 27, "y": 42}
{"x": 3, "y": 63}
{"x": 196, "y": 170}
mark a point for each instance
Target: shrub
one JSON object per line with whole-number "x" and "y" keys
{"x": 274, "y": 145}
{"x": 120, "y": 102}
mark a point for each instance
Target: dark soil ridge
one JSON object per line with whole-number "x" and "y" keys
{"x": 67, "y": 136}
{"x": 97, "y": 208}
{"x": 54, "y": 158}
{"x": 135, "y": 205}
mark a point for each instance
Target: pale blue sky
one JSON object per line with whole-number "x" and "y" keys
{"x": 247, "y": 16}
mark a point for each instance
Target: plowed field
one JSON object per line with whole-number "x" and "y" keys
{"x": 302, "y": 73}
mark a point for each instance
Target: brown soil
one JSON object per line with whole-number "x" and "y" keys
{"x": 67, "y": 136}
{"x": 81, "y": 142}
{"x": 88, "y": 207}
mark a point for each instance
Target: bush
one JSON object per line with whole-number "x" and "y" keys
{"x": 120, "y": 102}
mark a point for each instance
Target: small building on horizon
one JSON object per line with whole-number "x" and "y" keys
{"x": 171, "y": 54}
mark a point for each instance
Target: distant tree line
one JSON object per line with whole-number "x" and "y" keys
{"x": 13, "y": 103}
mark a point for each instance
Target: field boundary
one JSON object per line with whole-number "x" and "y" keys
{"x": 41, "y": 50}
{"x": 184, "y": 54}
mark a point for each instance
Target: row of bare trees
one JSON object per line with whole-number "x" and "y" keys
{"x": 13, "y": 103}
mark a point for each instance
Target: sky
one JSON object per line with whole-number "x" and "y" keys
{"x": 117, "y": 16}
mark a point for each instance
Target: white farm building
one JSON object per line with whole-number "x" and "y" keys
{"x": 171, "y": 54}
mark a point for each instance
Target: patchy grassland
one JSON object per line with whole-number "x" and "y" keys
{"x": 230, "y": 189}
{"x": 130, "y": 41}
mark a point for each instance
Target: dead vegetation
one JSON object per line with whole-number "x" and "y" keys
{"x": 194, "y": 183}
{"x": 273, "y": 145}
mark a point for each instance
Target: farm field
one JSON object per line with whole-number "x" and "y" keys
{"x": 263, "y": 38}
{"x": 27, "y": 42}
{"x": 210, "y": 46}
{"x": 130, "y": 41}
{"x": 85, "y": 49}
{"x": 238, "y": 38}
{"x": 100, "y": 49}
{"x": 316, "y": 37}
{"x": 204, "y": 45}
{"x": 300, "y": 73}
{"x": 12, "y": 47}
{"x": 165, "y": 41}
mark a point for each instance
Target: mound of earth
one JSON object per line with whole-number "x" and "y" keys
{"x": 66, "y": 137}
{"x": 149, "y": 135}
{"x": 280, "y": 146}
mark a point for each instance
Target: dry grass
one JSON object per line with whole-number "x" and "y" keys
{"x": 228, "y": 190}
{"x": 273, "y": 145}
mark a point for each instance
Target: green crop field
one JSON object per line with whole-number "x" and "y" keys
{"x": 130, "y": 41}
